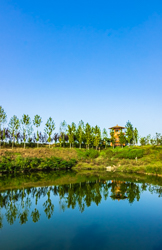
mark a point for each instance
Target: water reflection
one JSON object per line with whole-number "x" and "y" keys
{"x": 23, "y": 203}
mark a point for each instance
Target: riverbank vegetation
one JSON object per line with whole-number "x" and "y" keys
{"x": 8, "y": 164}
{"x": 142, "y": 159}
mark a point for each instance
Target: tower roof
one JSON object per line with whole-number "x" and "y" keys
{"x": 117, "y": 127}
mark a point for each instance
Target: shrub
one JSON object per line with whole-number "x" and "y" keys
{"x": 129, "y": 153}
{"x": 108, "y": 153}
{"x": 92, "y": 154}
{"x": 20, "y": 163}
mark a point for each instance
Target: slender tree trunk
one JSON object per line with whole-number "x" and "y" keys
{"x": 80, "y": 145}
{"x": 24, "y": 144}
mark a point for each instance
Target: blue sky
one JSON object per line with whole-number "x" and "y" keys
{"x": 99, "y": 61}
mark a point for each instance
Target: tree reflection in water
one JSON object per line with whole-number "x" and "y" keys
{"x": 17, "y": 203}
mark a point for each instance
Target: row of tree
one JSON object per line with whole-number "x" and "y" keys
{"x": 22, "y": 131}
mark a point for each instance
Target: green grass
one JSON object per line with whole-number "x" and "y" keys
{"x": 146, "y": 159}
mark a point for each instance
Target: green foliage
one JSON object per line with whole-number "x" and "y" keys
{"x": 28, "y": 163}
{"x": 122, "y": 139}
{"x": 37, "y": 122}
{"x": 143, "y": 141}
{"x": 3, "y": 116}
{"x": 14, "y": 125}
{"x": 125, "y": 153}
{"x": 135, "y": 134}
{"x": 50, "y": 127}
{"x": 104, "y": 136}
{"x": 88, "y": 134}
{"x": 129, "y": 153}
{"x": 71, "y": 132}
{"x": 80, "y": 133}
{"x": 109, "y": 153}
{"x": 112, "y": 137}
{"x": 129, "y": 135}
{"x": 25, "y": 121}
{"x": 63, "y": 128}
{"x": 97, "y": 136}
{"x": 129, "y": 132}
{"x": 92, "y": 154}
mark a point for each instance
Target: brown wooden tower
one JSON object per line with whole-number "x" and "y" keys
{"x": 117, "y": 129}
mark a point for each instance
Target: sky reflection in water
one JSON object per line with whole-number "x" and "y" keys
{"x": 98, "y": 213}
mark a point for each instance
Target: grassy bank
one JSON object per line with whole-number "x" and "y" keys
{"x": 64, "y": 177}
{"x": 138, "y": 159}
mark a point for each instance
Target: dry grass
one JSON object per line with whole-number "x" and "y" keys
{"x": 64, "y": 153}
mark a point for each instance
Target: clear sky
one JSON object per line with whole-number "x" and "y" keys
{"x": 99, "y": 61}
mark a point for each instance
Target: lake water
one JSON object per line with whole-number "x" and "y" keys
{"x": 87, "y": 210}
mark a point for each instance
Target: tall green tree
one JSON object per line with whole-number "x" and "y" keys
{"x": 37, "y": 122}
{"x": 63, "y": 128}
{"x": 122, "y": 139}
{"x": 71, "y": 132}
{"x": 129, "y": 135}
{"x": 25, "y": 121}
{"x": 3, "y": 118}
{"x": 158, "y": 138}
{"x": 104, "y": 136}
{"x": 60, "y": 140}
{"x": 50, "y": 127}
{"x": 29, "y": 132}
{"x": 143, "y": 141}
{"x": 97, "y": 136}
{"x": 136, "y": 136}
{"x": 88, "y": 134}
{"x": 129, "y": 132}
{"x": 14, "y": 125}
{"x": 80, "y": 133}
{"x": 112, "y": 135}
{"x": 4, "y": 135}
{"x": 74, "y": 131}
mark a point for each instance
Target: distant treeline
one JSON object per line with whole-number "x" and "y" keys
{"x": 21, "y": 131}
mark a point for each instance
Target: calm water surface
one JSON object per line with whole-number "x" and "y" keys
{"x": 68, "y": 210}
